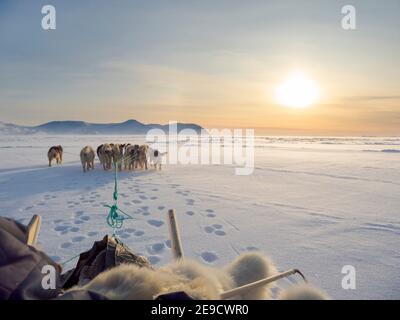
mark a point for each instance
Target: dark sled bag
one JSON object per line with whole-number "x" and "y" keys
{"x": 21, "y": 266}
{"x": 105, "y": 254}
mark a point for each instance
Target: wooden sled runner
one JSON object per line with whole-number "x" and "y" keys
{"x": 33, "y": 230}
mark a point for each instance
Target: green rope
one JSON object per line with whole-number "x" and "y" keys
{"x": 116, "y": 217}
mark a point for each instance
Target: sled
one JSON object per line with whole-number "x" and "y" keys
{"x": 177, "y": 253}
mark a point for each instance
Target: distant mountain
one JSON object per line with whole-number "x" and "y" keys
{"x": 8, "y": 128}
{"x": 82, "y": 127}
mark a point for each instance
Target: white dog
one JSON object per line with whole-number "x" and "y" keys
{"x": 154, "y": 157}
{"x": 87, "y": 158}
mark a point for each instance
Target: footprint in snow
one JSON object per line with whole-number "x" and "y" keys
{"x": 209, "y": 257}
{"x": 66, "y": 245}
{"x": 160, "y": 208}
{"x": 209, "y": 229}
{"x": 156, "y": 248}
{"x": 61, "y": 228}
{"x": 155, "y": 223}
{"x": 153, "y": 259}
{"x": 78, "y": 239}
{"x": 216, "y": 229}
{"x": 220, "y": 233}
{"x": 252, "y": 248}
{"x": 190, "y": 213}
{"x": 55, "y": 258}
{"x": 124, "y": 235}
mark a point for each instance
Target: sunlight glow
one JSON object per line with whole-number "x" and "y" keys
{"x": 297, "y": 91}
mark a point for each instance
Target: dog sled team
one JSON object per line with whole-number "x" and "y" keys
{"x": 125, "y": 156}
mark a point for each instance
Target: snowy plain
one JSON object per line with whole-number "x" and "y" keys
{"x": 312, "y": 203}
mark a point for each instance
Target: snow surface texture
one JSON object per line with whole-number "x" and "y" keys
{"x": 316, "y": 204}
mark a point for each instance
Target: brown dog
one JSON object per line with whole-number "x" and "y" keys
{"x": 131, "y": 156}
{"x": 105, "y": 155}
{"x": 87, "y": 158}
{"x": 118, "y": 154}
{"x": 55, "y": 152}
{"x": 142, "y": 156}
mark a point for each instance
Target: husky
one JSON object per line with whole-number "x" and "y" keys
{"x": 87, "y": 158}
{"x": 104, "y": 152}
{"x": 142, "y": 156}
{"x": 131, "y": 156}
{"x": 154, "y": 157}
{"x": 118, "y": 154}
{"x": 55, "y": 152}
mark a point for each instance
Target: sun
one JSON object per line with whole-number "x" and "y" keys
{"x": 298, "y": 91}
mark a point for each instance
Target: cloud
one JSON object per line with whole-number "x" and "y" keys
{"x": 373, "y": 98}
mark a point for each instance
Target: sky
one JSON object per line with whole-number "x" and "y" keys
{"x": 216, "y": 63}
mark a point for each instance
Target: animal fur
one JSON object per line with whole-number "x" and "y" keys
{"x": 303, "y": 292}
{"x": 142, "y": 156}
{"x": 98, "y": 150}
{"x": 55, "y": 152}
{"x": 87, "y": 158}
{"x": 129, "y": 282}
{"x": 154, "y": 157}
{"x": 117, "y": 154}
{"x": 249, "y": 268}
{"x": 131, "y": 157}
{"x": 104, "y": 153}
